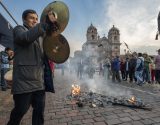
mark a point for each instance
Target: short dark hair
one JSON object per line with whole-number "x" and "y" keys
{"x": 26, "y": 12}
{"x": 7, "y": 49}
{"x": 139, "y": 54}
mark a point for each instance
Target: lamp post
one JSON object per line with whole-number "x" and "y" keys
{"x": 125, "y": 51}
{"x": 158, "y": 21}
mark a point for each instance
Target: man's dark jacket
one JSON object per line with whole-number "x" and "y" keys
{"x": 30, "y": 62}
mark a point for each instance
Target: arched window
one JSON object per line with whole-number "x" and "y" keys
{"x": 115, "y": 37}
{"x": 93, "y": 37}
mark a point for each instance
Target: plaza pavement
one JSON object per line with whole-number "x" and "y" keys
{"x": 59, "y": 112}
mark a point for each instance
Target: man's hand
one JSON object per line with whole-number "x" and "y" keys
{"x": 52, "y": 16}
{"x": 51, "y": 20}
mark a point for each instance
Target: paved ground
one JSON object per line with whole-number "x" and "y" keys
{"x": 59, "y": 112}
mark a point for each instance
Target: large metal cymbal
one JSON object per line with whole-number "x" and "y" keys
{"x": 56, "y": 48}
{"x": 62, "y": 13}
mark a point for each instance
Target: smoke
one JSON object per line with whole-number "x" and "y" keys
{"x": 103, "y": 86}
{"x": 84, "y": 69}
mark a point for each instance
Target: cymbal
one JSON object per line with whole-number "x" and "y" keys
{"x": 56, "y": 48}
{"x": 62, "y": 13}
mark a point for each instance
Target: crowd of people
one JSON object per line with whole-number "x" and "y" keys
{"x": 137, "y": 67}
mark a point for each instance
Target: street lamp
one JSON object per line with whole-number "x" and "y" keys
{"x": 158, "y": 32}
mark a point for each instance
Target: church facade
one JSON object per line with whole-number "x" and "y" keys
{"x": 97, "y": 49}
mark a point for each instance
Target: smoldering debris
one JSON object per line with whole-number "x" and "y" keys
{"x": 93, "y": 100}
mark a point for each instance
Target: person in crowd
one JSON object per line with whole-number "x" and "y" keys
{"x": 126, "y": 69}
{"x": 157, "y": 67}
{"x": 152, "y": 69}
{"x": 132, "y": 66}
{"x": 10, "y": 58}
{"x": 116, "y": 69}
{"x": 4, "y": 59}
{"x": 122, "y": 69}
{"x": 112, "y": 59}
{"x": 91, "y": 71}
{"x": 101, "y": 70}
{"x": 79, "y": 69}
{"x": 146, "y": 71}
{"x": 139, "y": 69}
{"x": 31, "y": 72}
{"x": 106, "y": 67}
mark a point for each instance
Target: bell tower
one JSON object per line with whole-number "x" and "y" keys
{"x": 114, "y": 39}
{"x": 92, "y": 34}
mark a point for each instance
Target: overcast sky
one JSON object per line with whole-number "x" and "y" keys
{"x": 136, "y": 20}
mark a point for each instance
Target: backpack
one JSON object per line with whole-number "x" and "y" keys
{"x": 141, "y": 66}
{"x": 4, "y": 58}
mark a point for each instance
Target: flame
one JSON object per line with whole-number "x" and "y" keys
{"x": 75, "y": 90}
{"x": 132, "y": 99}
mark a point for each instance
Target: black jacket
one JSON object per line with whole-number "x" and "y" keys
{"x": 28, "y": 67}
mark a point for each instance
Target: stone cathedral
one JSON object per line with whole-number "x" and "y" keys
{"x": 98, "y": 49}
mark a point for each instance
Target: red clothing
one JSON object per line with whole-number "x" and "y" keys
{"x": 152, "y": 75}
{"x": 51, "y": 64}
{"x": 122, "y": 66}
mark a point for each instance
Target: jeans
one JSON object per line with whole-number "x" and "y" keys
{"x": 139, "y": 76}
{"x": 22, "y": 103}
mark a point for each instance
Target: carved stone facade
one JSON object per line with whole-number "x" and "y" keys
{"x": 98, "y": 49}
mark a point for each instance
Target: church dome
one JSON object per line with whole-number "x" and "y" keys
{"x": 104, "y": 38}
{"x": 91, "y": 28}
{"x": 114, "y": 30}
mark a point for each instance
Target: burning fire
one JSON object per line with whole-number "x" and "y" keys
{"x": 75, "y": 90}
{"x": 132, "y": 99}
